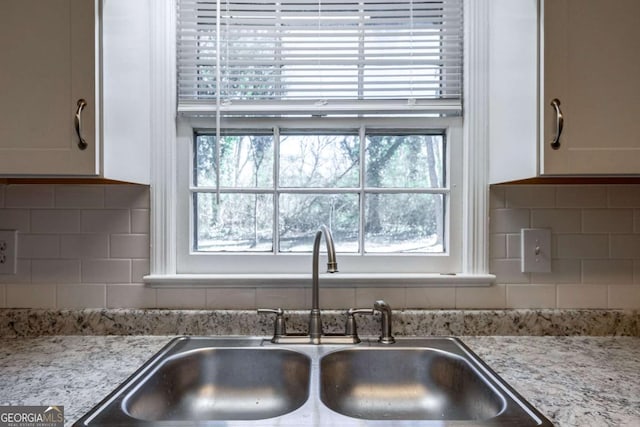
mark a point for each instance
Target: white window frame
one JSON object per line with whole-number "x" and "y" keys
{"x": 189, "y": 261}
{"x": 170, "y": 238}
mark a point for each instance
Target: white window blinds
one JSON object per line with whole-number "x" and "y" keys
{"x": 297, "y": 57}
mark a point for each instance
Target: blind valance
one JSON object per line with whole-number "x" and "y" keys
{"x": 318, "y": 57}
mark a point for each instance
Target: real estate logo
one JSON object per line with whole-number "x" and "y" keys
{"x": 31, "y": 416}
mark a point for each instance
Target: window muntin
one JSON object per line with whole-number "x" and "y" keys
{"x": 276, "y": 189}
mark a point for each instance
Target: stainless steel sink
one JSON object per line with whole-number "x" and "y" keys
{"x": 250, "y": 381}
{"x": 406, "y": 384}
{"x": 222, "y": 384}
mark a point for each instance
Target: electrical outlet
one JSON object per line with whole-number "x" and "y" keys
{"x": 8, "y": 251}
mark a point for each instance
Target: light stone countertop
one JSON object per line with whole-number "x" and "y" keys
{"x": 574, "y": 381}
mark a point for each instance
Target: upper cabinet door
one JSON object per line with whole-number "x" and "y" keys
{"x": 48, "y": 64}
{"x": 591, "y": 65}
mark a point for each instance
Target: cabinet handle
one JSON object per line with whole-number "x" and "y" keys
{"x": 555, "y": 144}
{"x": 82, "y": 143}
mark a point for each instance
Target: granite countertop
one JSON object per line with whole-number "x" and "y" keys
{"x": 574, "y": 381}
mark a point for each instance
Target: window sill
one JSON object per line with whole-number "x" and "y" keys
{"x": 328, "y": 280}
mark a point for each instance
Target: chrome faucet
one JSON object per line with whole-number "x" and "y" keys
{"x": 315, "y": 323}
{"x": 316, "y": 335}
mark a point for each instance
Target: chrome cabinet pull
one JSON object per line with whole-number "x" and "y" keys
{"x": 555, "y": 144}
{"x": 82, "y": 143}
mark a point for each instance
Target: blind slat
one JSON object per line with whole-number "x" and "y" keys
{"x": 396, "y": 55}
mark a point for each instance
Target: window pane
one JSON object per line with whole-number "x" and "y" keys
{"x": 239, "y": 223}
{"x": 319, "y": 161}
{"x": 404, "y": 161}
{"x": 245, "y": 161}
{"x": 404, "y": 223}
{"x": 302, "y": 214}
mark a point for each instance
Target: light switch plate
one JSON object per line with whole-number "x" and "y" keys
{"x": 535, "y": 250}
{"x": 8, "y": 251}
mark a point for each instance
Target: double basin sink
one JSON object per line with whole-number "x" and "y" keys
{"x": 249, "y": 381}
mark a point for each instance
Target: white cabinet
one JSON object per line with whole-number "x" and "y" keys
{"x": 48, "y": 56}
{"x": 54, "y": 53}
{"x": 591, "y": 51}
{"x": 586, "y": 54}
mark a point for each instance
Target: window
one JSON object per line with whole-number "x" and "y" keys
{"x": 378, "y": 191}
{"x": 297, "y": 113}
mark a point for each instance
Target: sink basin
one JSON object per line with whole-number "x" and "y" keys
{"x": 406, "y": 384}
{"x": 222, "y": 384}
{"x": 248, "y": 381}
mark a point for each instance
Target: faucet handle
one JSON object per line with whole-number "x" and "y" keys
{"x": 279, "y": 326}
{"x": 350, "y": 328}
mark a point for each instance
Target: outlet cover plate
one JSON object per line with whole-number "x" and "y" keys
{"x": 8, "y": 251}
{"x": 535, "y": 250}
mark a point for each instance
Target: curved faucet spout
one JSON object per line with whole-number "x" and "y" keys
{"x": 315, "y": 325}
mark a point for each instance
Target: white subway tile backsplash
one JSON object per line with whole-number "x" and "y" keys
{"x": 625, "y": 246}
{"x": 131, "y": 295}
{"x": 192, "y": 298}
{"x": 36, "y": 246}
{"x": 79, "y": 196}
{"x": 498, "y": 245}
{"x": 129, "y": 246}
{"x": 15, "y": 219}
{"x": 607, "y": 221}
{"x": 395, "y": 297}
{"x": 286, "y": 298}
{"x": 581, "y": 246}
{"x": 481, "y": 297}
{"x": 127, "y": 196}
{"x": 431, "y": 297}
{"x": 513, "y": 246}
{"x": 611, "y": 271}
{"x": 582, "y": 296}
{"x": 31, "y": 296}
{"x": 581, "y": 196}
{"x": 55, "y": 271}
{"x": 106, "y": 271}
{"x": 29, "y": 196}
{"x": 23, "y": 275}
{"x": 624, "y": 297}
{"x": 531, "y": 296}
{"x": 333, "y": 298}
{"x": 55, "y": 221}
{"x": 497, "y": 197}
{"x": 231, "y": 298}
{"x": 81, "y": 296}
{"x": 595, "y": 244}
{"x": 509, "y": 220}
{"x": 140, "y": 221}
{"x": 106, "y": 221}
{"x": 558, "y": 220}
{"x": 67, "y": 234}
{"x": 531, "y": 196}
{"x": 139, "y": 269}
{"x": 508, "y": 271}
{"x": 562, "y": 271}
{"x": 624, "y": 196}
{"x": 81, "y": 246}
